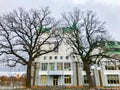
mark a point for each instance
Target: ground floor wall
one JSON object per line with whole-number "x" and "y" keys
{"x": 100, "y": 77}
{"x": 55, "y": 80}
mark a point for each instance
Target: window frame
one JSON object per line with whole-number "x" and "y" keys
{"x": 43, "y": 79}
{"x": 52, "y": 66}
{"x": 59, "y": 66}
{"x": 67, "y": 66}
{"x": 44, "y": 66}
{"x": 110, "y": 67}
{"x": 113, "y": 79}
{"x": 67, "y": 79}
{"x": 85, "y": 80}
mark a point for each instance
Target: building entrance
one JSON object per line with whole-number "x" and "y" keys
{"x": 55, "y": 80}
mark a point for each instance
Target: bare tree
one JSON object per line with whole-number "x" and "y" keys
{"x": 86, "y": 38}
{"x": 26, "y": 35}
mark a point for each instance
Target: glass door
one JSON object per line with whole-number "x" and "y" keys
{"x": 55, "y": 80}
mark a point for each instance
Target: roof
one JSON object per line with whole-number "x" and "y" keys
{"x": 113, "y": 47}
{"x": 44, "y": 29}
{"x": 112, "y": 44}
{"x": 69, "y": 29}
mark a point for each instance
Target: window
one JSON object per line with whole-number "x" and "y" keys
{"x": 50, "y": 57}
{"x": 67, "y": 79}
{"x": 73, "y": 57}
{"x": 67, "y": 57}
{"x": 61, "y": 57}
{"x": 51, "y": 66}
{"x": 113, "y": 79}
{"x": 55, "y": 57}
{"x": 59, "y": 66}
{"x": 67, "y": 66}
{"x": 43, "y": 79}
{"x": 85, "y": 79}
{"x": 44, "y": 66}
{"x": 56, "y": 45}
{"x": 44, "y": 57}
{"x": 110, "y": 67}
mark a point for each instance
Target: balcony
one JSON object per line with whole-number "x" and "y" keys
{"x": 55, "y": 72}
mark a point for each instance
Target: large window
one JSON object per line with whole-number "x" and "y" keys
{"x": 44, "y": 66}
{"x": 110, "y": 67}
{"x": 59, "y": 66}
{"x": 85, "y": 79}
{"x": 113, "y": 79}
{"x": 51, "y": 66}
{"x": 67, "y": 66}
{"x": 43, "y": 79}
{"x": 67, "y": 79}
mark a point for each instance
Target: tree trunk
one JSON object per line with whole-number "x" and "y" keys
{"x": 77, "y": 75}
{"x": 88, "y": 74}
{"x": 28, "y": 81}
{"x": 34, "y": 76}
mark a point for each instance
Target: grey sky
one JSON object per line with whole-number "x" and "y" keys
{"x": 107, "y": 10}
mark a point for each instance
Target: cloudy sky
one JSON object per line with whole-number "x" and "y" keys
{"x": 107, "y": 10}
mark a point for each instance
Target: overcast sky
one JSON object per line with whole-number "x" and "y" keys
{"x": 107, "y": 10}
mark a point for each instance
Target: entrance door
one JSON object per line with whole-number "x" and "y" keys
{"x": 55, "y": 80}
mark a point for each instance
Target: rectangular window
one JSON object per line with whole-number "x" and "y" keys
{"x": 55, "y": 57}
{"x": 50, "y": 57}
{"x": 85, "y": 79}
{"x": 59, "y": 66}
{"x": 113, "y": 79}
{"x": 110, "y": 67}
{"x": 67, "y": 66}
{"x": 61, "y": 57}
{"x": 67, "y": 57}
{"x": 67, "y": 79}
{"x": 43, "y": 79}
{"x": 44, "y": 66}
{"x": 51, "y": 66}
{"x": 44, "y": 57}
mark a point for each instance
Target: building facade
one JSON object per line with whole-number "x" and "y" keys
{"x": 59, "y": 69}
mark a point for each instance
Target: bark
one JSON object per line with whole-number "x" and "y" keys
{"x": 34, "y": 76}
{"x": 77, "y": 75}
{"x": 28, "y": 81}
{"x": 88, "y": 74}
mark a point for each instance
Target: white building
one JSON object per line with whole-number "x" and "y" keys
{"x": 59, "y": 69}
